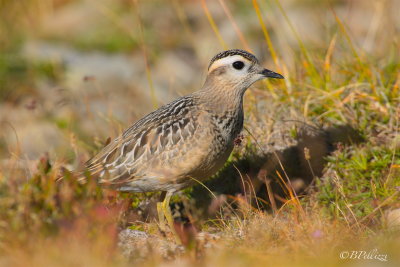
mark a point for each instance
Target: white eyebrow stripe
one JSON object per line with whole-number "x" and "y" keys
{"x": 226, "y": 61}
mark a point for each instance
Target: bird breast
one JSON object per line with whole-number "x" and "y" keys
{"x": 227, "y": 127}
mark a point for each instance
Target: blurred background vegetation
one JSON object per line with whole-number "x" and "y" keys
{"x": 76, "y": 72}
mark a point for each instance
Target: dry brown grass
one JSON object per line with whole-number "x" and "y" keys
{"x": 348, "y": 77}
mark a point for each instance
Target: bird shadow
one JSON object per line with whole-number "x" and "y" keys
{"x": 264, "y": 177}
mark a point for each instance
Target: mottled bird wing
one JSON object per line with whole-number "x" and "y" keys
{"x": 155, "y": 134}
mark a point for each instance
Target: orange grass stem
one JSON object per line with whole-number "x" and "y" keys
{"x": 213, "y": 24}
{"x": 266, "y": 34}
{"x": 235, "y": 26}
{"x": 308, "y": 64}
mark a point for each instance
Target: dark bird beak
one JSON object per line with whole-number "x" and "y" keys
{"x": 271, "y": 74}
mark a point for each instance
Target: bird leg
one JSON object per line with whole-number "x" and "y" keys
{"x": 161, "y": 218}
{"x": 167, "y": 211}
{"x": 164, "y": 212}
{"x": 160, "y": 211}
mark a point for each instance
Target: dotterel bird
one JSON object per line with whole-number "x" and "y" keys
{"x": 185, "y": 141}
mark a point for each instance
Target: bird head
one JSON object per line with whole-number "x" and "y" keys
{"x": 237, "y": 69}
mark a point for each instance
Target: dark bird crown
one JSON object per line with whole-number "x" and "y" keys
{"x": 234, "y": 52}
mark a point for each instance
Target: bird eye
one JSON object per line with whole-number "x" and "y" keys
{"x": 238, "y": 65}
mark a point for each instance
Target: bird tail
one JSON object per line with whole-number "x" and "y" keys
{"x": 80, "y": 176}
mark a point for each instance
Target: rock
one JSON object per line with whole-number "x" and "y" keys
{"x": 137, "y": 245}
{"x": 129, "y": 241}
{"x": 108, "y": 70}
{"x": 392, "y": 218}
{"x": 29, "y": 137}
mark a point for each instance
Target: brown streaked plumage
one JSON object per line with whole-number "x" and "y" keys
{"x": 186, "y": 140}
{"x": 190, "y": 137}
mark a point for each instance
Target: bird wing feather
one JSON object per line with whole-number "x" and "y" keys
{"x": 153, "y": 135}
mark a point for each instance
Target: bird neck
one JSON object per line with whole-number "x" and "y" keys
{"x": 223, "y": 98}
